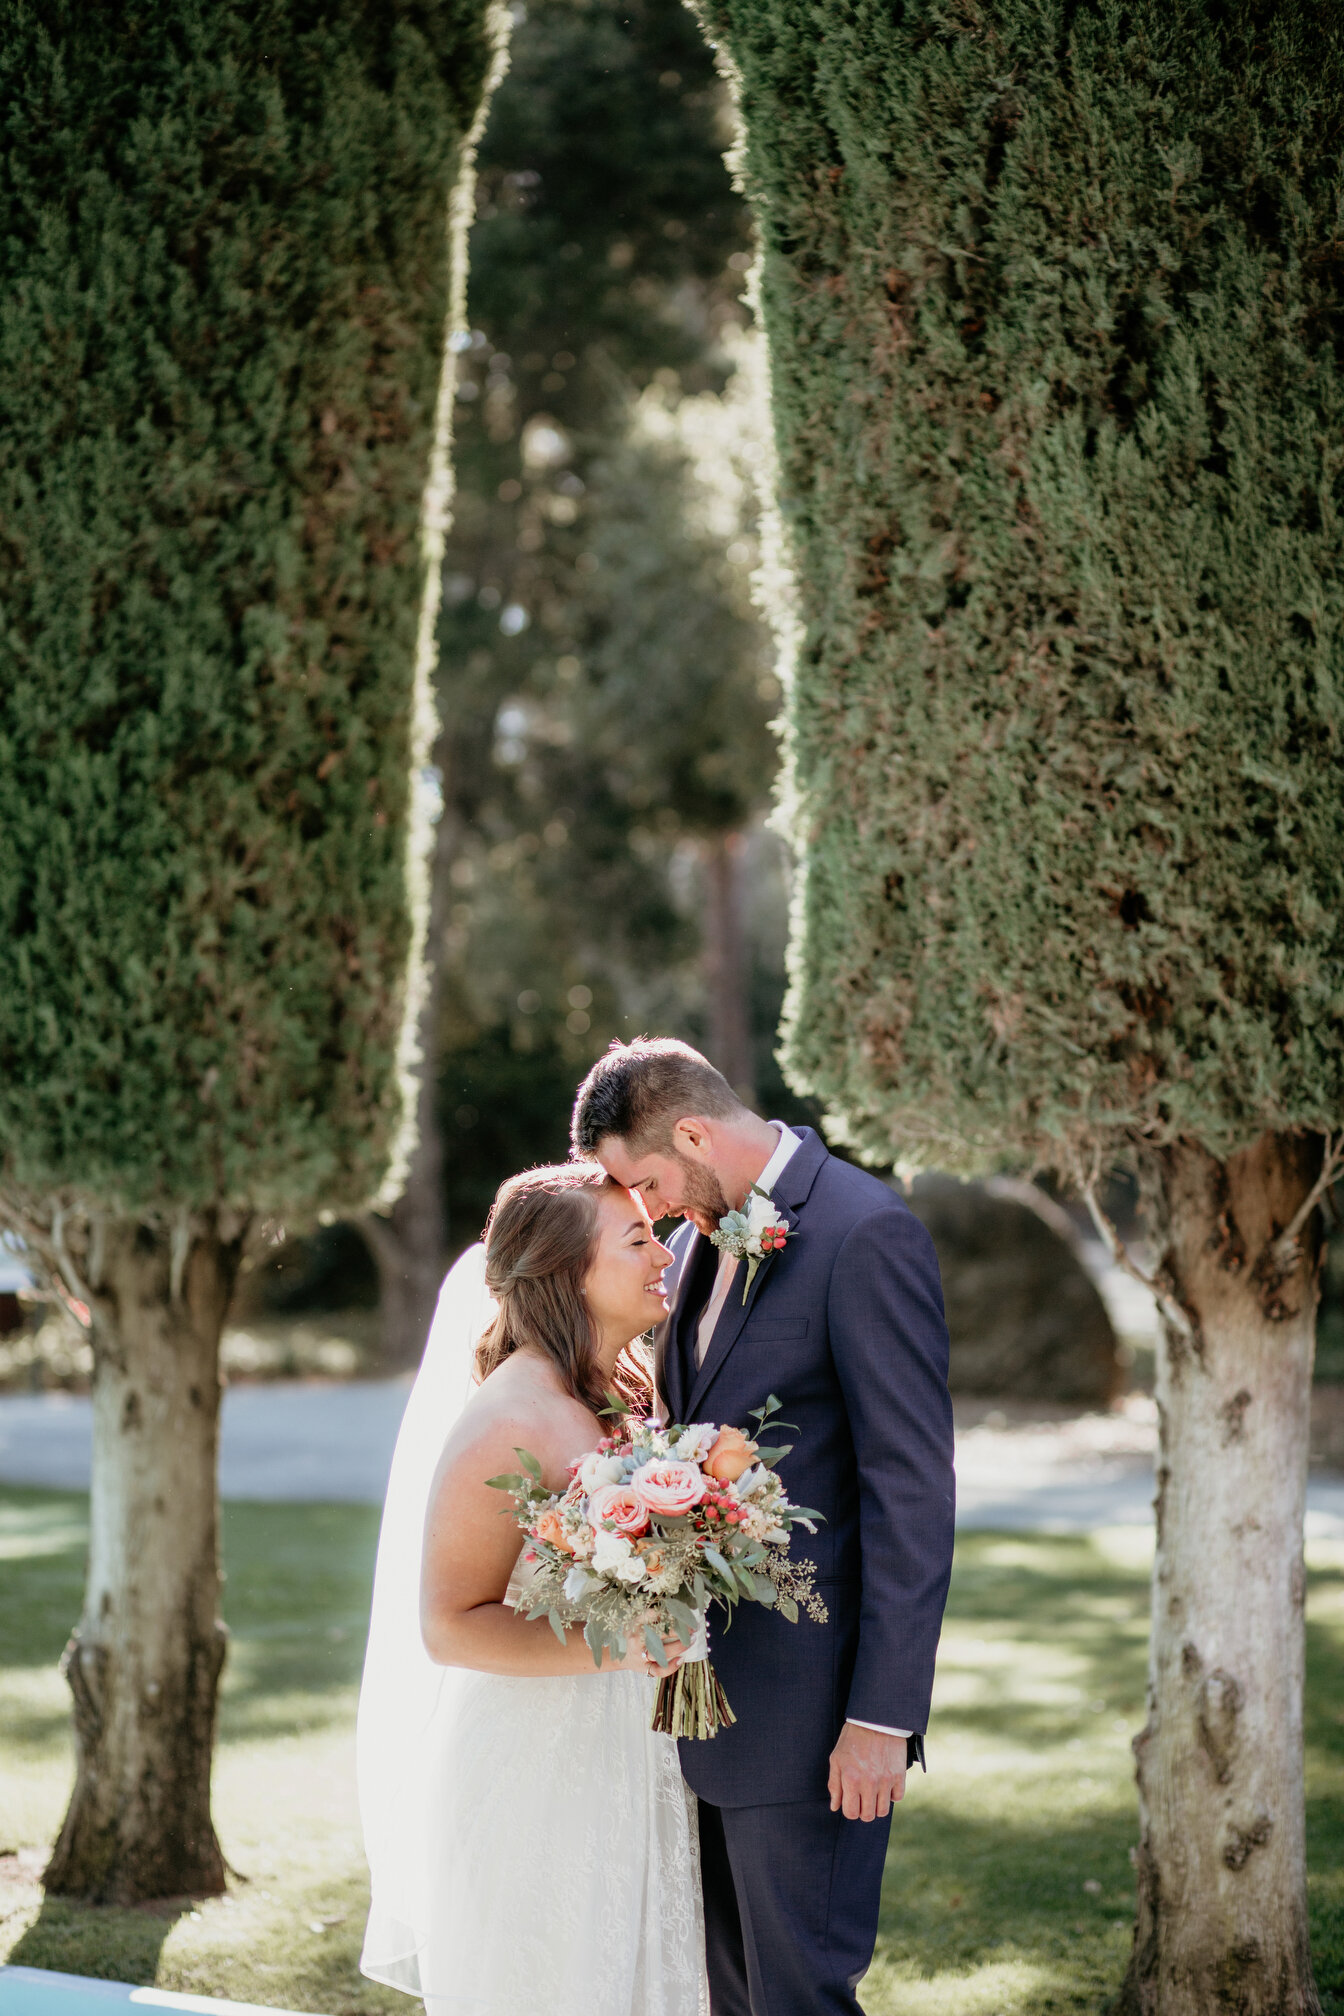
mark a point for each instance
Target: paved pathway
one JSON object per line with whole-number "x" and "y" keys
{"x": 1017, "y": 1469}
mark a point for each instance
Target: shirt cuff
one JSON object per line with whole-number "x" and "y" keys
{"x": 880, "y": 1727}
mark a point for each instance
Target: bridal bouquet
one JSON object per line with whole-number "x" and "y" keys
{"x": 656, "y": 1524}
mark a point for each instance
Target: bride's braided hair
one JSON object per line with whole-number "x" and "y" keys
{"x": 539, "y": 1245}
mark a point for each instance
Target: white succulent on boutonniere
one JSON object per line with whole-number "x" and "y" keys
{"x": 753, "y": 1233}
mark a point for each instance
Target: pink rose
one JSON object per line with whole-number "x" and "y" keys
{"x": 617, "y": 1505}
{"x": 668, "y": 1488}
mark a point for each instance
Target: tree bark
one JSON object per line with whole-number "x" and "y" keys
{"x": 1222, "y": 1920}
{"x": 726, "y": 965}
{"x": 409, "y": 1242}
{"x": 145, "y": 1660}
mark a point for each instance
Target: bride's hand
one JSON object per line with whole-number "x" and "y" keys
{"x": 637, "y": 1658}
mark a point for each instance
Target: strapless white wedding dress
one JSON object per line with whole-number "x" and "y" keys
{"x": 532, "y": 1845}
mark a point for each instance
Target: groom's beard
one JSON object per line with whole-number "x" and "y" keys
{"x": 703, "y": 1201}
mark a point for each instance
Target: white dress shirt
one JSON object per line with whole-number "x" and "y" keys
{"x": 787, "y": 1146}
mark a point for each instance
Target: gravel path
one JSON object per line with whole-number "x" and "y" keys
{"x": 1018, "y": 1468}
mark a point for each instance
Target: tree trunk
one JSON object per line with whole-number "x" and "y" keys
{"x": 726, "y": 965}
{"x": 409, "y": 1242}
{"x": 408, "y": 1248}
{"x": 1222, "y": 1923}
{"x": 144, "y": 1663}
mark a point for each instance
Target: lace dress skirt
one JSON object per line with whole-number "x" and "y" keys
{"x": 563, "y": 1875}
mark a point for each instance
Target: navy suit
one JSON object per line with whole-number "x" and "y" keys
{"x": 846, "y": 1326}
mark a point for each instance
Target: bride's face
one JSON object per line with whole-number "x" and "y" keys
{"x": 624, "y": 1287}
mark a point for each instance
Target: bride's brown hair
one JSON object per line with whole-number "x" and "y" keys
{"x": 540, "y": 1241}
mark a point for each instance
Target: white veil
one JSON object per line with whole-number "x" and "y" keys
{"x": 403, "y": 1692}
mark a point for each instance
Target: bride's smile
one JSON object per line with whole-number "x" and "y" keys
{"x": 624, "y": 1289}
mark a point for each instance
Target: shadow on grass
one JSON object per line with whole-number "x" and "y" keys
{"x": 98, "y": 1940}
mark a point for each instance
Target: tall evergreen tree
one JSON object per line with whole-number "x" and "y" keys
{"x": 1054, "y": 296}
{"x": 228, "y": 274}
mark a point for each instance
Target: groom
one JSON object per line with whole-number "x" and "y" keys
{"x": 846, "y": 1325}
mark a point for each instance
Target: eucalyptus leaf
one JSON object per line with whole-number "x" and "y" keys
{"x": 684, "y": 1618}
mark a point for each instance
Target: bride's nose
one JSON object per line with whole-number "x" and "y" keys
{"x": 662, "y": 1256}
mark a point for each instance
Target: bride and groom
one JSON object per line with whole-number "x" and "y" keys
{"x": 536, "y": 1849}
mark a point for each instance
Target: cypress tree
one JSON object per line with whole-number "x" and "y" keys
{"x": 228, "y": 273}
{"x": 1054, "y": 295}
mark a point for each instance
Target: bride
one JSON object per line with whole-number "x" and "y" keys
{"x": 529, "y": 1836}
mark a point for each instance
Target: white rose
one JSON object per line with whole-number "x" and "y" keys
{"x": 631, "y": 1570}
{"x": 609, "y": 1551}
{"x": 760, "y": 1212}
{"x": 596, "y": 1469}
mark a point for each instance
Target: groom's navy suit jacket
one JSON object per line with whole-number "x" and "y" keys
{"x": 846, "y": 1326}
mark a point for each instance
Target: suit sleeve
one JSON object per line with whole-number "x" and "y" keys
{"x": 889, "y": 1342}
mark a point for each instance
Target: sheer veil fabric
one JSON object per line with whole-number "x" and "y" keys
{"x": 404, "y": 1694}
{"x": 531, "y": 1842}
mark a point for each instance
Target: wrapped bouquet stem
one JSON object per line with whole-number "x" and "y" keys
{"x": 656, "y": 1525}
{"x": 691, "y": 1701}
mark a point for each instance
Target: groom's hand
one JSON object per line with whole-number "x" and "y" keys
{"x": 867, "y": 1773}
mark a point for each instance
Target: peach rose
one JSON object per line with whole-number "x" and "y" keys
{"x": 617, "y": 1505}
{"x": 550, "y": 1528}
{"x": 668, "y": 1488}
{"x": 730, "y": 1456}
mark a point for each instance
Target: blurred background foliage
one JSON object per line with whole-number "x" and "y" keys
{"x": 605, "y": 683}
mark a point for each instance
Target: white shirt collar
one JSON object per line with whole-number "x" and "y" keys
{"x": 787, "y": 1146}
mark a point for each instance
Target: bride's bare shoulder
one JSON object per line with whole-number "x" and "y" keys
{"x": 519, "y": 1407}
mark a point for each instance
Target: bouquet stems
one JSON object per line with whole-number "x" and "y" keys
{"x": 692, "y": 1703}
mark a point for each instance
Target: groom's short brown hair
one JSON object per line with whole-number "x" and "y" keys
{"x": 640, "y": 1090}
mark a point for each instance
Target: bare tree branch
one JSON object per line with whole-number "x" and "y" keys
{"x": 1173, "y": 1310}
{"x": 1283, "y": 1253}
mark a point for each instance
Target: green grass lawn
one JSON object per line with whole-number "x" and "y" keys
{"x": 1009, "y": 1888}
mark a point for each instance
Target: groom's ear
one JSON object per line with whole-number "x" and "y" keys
{"x": 693, "y": 1137}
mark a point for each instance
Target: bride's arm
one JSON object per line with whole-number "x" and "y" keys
{"x": 471, "y": 1545}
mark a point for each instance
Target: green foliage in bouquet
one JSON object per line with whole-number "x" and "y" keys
{"x": 1055, "y": 299}
{"x": 228, "y": 271}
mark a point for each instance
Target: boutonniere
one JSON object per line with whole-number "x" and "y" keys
{"x": 752, "y": 1234}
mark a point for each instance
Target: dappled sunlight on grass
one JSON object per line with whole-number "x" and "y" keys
{"x": 1009, "y": 1890}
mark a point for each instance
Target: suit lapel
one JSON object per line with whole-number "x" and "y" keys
{"x": 789, "y": 1195}
{"x": 670, "y": 1347}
